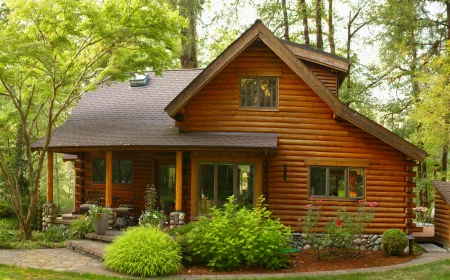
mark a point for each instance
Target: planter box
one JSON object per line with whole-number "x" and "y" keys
{"x": 427, "y": 231}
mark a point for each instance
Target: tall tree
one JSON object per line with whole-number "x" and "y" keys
{"x": 191, "y": 10}
{"x": 55, "y": 50}
{"x": 319, "y": 35}
{"x": 304, "y": 15}
{"x": 331, "y": 27}
{"x": 285, "y": 20}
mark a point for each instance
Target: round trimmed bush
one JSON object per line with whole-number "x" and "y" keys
{"x": 394, "y": 242}
{"x": 143, "y": 251}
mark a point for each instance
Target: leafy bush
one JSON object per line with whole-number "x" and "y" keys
{"x": 143, "y": 251}
{"x": 394, "y": 242}
{"x": 54, "y": 234}
{"x": 182, "y": 230}
{"x": 80, "y": 227}
{"x": 185, "y": 248}
{"x": 234, "y": 236}
{"x": 6, "y": 210}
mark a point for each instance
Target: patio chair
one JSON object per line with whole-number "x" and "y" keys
{"x": 92, "y": 198}
{"x": 127, "y": 207}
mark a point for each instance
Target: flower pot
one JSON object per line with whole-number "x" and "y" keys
{"x": 101, "y": 223}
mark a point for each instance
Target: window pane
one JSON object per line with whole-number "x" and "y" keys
{"x": 126, "y": 170}
{"x": 205, "y": 196}
{"x": 98, "y": 171}
{"x": 167, "y": 187}
{"x": 318, "y": 181}
{"x": 337, "y": 182}
{"x": 246, "y": 179}
{"x": 116, "y": 172}
{"x": 268, "y": 88}
{"x": 356, "y": 182}
{"x": 224, "y": 183}
{"x": 249, "y": 92}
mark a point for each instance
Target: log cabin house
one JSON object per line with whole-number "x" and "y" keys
{"x": 264, "y": 118}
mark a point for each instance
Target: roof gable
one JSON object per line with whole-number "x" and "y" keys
{"x": 259, "y": 31}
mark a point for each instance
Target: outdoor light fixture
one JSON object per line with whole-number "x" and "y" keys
{"x": 410, "y": 244}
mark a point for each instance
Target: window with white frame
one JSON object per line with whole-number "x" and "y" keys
{"x": 258, "y": 92}
{"x": 218, "y": 181}
{"x": 337, "y": 182}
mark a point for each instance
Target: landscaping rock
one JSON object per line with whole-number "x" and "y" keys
{"x": 307, "y": 247}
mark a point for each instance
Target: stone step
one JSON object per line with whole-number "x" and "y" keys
{"x": 108, "y": 237}
{"x": 88, "y": 247}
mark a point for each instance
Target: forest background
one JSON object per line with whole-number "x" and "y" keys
{"x": 399, "y": 77}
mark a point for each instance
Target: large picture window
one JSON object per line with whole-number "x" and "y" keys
{"x": 337, "y": 182}
{"x": 122, "y": 171}
{"x": 218, "y": 181}
{"x": 258, "y": 92}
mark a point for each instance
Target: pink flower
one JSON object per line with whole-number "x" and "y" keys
{"x": 308, "y": 205}
{"x": 372, "y": 204}
{"x": 299, "y": 219}
{"x": 338, "y": 223}
{"x": 320, "y": 200}
{"x": 311, "y": 197}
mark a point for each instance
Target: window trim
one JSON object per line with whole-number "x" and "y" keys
{"x": 104, "y": 181}
{"x": 327, "y": 187}
{"x": 258, "y": 78}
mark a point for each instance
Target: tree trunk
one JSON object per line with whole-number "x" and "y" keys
{"x": 304, "y": 14}
{"x": 444, "y": 160}
{"x": 285, "y": 20}
{"x": 319, "y": 39}
{"x": 349, "y": 40}
{"x": 448, "y": 18}
{"x": 331, "y": 27}
{"x": 189, "y": 42}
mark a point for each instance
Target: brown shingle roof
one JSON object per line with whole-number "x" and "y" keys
{"x": 118, "y": 116}
{"x": 443, "y": 187}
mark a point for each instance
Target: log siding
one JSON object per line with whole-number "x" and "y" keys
{"x": 306, "y": 129}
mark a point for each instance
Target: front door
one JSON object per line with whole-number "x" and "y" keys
{"x": 167, "y": 187}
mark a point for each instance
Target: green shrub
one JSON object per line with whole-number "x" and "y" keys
{"x": 394, "y": 242}
{"x": 182, "y": 230}
{"x": 234, "y": 236}
{"x": 143, "y": 251}
{"x": 185, "y": 248}
{"x": 6, "y": 210}
{"x": 80, "y": 227}
{"x": 54, "y": 234}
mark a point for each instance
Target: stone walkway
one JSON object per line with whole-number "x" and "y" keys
{"x": 69, "y": 260}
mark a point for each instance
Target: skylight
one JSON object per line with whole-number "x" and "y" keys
{"x": 139, "y": 80}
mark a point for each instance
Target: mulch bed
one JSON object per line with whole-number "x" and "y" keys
{"x": 306, "y": 261}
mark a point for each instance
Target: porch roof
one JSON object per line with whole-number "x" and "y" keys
{"x": 121, "y": 116}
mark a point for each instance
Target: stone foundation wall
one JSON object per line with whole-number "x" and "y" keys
{"x": 363, "y": 242}
{"x": 48, "y": 215}
{"x": 177, "y": 219}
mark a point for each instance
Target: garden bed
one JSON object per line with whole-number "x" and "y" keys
{"x": 306, "y": 262}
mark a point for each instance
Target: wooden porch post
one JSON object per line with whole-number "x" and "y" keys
{"x": 49, "y": 176}
{"x": 108, "y": 192}
{"x": 179, "y": 174}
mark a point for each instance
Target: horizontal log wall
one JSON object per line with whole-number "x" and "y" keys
{"x": 142, "y": 176}
{"x": 441, "y": 220}
{"x": 306, "y": 129}
{"x": 326, "y": 75}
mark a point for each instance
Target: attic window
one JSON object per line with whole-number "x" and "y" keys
{"x": 258, "y": 92}
{"x": 139, "y": 80}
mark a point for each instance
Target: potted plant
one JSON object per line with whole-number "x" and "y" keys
{"x": 100, "y": 215}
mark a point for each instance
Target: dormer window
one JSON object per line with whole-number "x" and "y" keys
{"x": 258, "y": 92}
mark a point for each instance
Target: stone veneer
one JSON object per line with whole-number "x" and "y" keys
{"x": 177, "y": 219}
{"x": 48, "y": 215}
{"x": 363, "y": 242}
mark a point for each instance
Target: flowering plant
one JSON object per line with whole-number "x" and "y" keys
{"x": 310, "y": 224}
{"x": 152, "y": 216}
{"x": 97, "y": 212}
{"x": 422, "y": 214}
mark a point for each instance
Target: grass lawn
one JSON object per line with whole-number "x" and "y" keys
{"x": 432, "y": 271}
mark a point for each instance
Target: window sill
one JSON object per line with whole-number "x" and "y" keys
{"x": 258, "y": 109}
